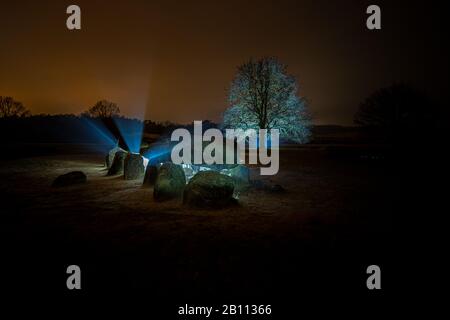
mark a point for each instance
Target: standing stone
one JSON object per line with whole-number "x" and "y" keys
{"x": 118, "y": 163}
{"x": 170, "y": 182}
{"x": 209, "y": 189}
{"x": 110, "y": 156}
{"x": 133, "y": 166}
{"x": 188, "y": 171}
{"x": 151, "y": 173}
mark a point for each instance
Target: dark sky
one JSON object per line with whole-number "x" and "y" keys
{"x": 174, "y": 60}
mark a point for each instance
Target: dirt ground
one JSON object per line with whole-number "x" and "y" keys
{"x": 331, "y": 223}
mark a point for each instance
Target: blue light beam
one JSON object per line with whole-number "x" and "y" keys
{"x": 131, "y": 131}
{"x": 99, "y": 133}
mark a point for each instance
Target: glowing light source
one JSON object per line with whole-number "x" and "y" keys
{"x": 146, "y": 161}
{"x": 157, "y": 153}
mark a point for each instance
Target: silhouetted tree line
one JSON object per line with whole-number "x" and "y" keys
{"x": 10, "y": 108}
{"x": 403, "y": 114}
{"x": 165, "y": 128}
{"x": 17, "y": 124}
{"x": 71, "y": 128}
{"x": 103, "y": 109}
{"x": 43, "y": 128}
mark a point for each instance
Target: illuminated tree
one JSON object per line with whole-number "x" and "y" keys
{"x": 264, "y": 96}
{"x": 103, "y": 109}
{"x": 9, "y": 108}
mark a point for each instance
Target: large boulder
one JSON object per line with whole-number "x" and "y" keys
{"x": 209, "y": 189}
{"x": 151, "y": 173}
{"x": 118, "y": 163}
{"x": 110, "y": 156}
{"x": 240, "y": 175}
{"x": 133, "y": 167}
{"x": 68, "y": 179}
{"x": 170, "y": 182}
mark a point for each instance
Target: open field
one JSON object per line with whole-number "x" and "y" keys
{"x": 333, "y": 221}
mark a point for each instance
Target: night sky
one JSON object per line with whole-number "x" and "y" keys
{"x": 174, "y": 60}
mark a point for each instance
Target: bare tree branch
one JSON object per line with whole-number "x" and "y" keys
{"x": 263, "y": 96}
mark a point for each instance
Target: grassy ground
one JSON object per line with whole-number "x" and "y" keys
{"x": 333, "y": 221}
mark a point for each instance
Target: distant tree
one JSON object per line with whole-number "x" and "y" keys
{"x": 103, "y": 109}
{"x": 400, "y": 110}
{"x": 9, "y": 108}
{"x": 263, "y": 96}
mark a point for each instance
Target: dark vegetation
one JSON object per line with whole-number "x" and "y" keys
{"x": 64, "y": 128}
{"x": 399, "y": 114}
{"x": 402, "y": 114}
{"x": 10, "y": 108}
{"x": 103, "y": 109}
